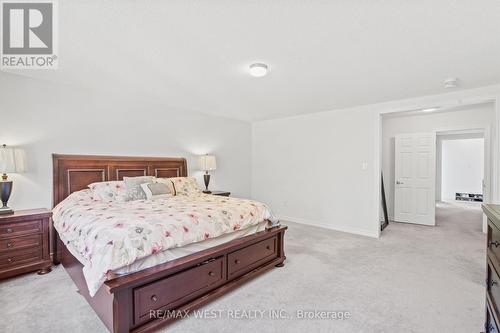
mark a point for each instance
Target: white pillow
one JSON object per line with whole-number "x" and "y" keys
{"x": 109, "y": 191}
{"x": 156, "y": 190}
{"x": 185, "y": 185}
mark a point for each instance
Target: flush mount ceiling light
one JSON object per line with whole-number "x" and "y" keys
{"x": 258, "y": 69}
{"x": 450, "y": 83}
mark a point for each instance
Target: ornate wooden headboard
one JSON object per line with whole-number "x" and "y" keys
{"x": 74, "y": 172}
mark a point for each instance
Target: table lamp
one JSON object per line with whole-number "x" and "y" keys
{"x": 11, "y": 160}
{"x": 207, "y": 163}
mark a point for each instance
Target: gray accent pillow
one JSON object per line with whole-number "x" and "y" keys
{"x": 134, "y": 189}
{"x": 156, "y": 190}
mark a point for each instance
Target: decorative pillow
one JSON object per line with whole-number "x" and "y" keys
{"x": 167, "y": 182}
{"x": 109, "y": 191}
{"x": 185, "y": 185}
{"x": 134, "y": 189}
{"x": 156, "y": 190}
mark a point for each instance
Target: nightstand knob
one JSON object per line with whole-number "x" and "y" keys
{"x": 154, "y": 298}
{"x": 9, "y": 260}
{"x": 268, "y": 247}
{"x": 9, "y": 244}
{"x": 211, "y": 273}
{"x": 237, "y": 261}
{"x": 9, "y": 230}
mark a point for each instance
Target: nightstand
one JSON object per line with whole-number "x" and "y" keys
{"x": 221, "y": 193}
{"x": 24, "y": 242}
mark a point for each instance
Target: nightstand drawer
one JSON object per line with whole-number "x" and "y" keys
{"x": 20, "y": 257}
{"x": 19, "y": 229}
{"x": 20, "y": 242}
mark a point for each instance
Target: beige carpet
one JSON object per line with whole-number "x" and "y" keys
{"x": 412, "y": 279}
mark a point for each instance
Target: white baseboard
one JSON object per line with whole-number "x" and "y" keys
{"x": 351, "y": 230}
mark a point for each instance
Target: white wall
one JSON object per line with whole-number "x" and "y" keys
{"x": 472, "y": 118}
{"x": 309, "y": 169}
{"x": 45, "y": 119}
{"x": 462, "y": 165}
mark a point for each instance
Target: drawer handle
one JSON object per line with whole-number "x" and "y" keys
{"x": 494, "y": 243}
{"x": 237, "y": 261}
{"x": 154, "y": 298}
{"x": 9, "y": 230}
{"x": 211, "y": 273}
{"x": 206, "y": 262}
{"x": 268, "y": 247}
{"x": 493, "y": 283}
{"x": 9, "y": 244}
{"x": 10, "y": 260}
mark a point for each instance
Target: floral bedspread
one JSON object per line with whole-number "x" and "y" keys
{"x": 111, "y": 235}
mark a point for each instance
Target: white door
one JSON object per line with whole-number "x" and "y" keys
{"x": 415, "y": 178}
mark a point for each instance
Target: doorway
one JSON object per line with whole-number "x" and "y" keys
{"x": 460, "y": 176}
{"x": 449, "y": 127}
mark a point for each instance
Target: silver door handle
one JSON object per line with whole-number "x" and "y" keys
{"x": 399, "y": 183}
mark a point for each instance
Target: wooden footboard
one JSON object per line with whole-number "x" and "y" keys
{"x": 135, "y": 302}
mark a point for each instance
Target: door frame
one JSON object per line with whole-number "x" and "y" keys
{"x": 488, "y": 97}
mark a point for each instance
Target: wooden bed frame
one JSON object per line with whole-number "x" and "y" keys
{"x": 142, "y": 301}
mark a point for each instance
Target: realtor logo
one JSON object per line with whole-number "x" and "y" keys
{"x": 28, "y": 35}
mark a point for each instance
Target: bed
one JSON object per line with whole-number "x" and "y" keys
{"x": 184, "y": 277}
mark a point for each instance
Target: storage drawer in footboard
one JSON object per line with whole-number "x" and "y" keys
{"x": 244, "y": 260}
{"x": 175, "y": 290}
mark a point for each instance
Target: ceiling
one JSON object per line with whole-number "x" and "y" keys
{"x": 322, "y": 55}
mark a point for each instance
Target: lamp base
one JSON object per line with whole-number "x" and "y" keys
{"x": 206, "y": 178}
{"x": 6, "y": 210}
{"x": 5, "y": 190}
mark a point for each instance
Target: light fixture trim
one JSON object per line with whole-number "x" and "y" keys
{"x": 258, "y": 69}
{"x": 430, "y": 109}
{"x": 451, "y": 83}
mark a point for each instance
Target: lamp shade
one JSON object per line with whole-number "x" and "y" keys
{"x": 12, "y": 160}
{"x": 208, "y": 162}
